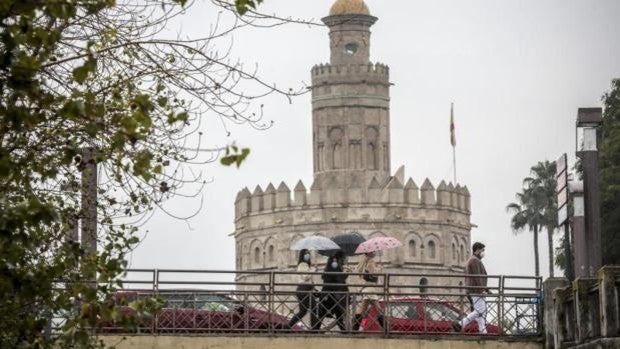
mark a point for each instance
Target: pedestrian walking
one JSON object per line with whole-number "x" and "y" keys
{"x": 476, "y": 283}
{"x": 334, "y": 293}
{"x": 368, "y": 269}
{"x": 306, "y": 298}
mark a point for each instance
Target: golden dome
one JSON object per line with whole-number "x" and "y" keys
{"x": 349, "y": 7}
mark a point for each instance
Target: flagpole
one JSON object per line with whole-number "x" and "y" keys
{"x": 454, "y": 162}
{"x": 453, "y": 140}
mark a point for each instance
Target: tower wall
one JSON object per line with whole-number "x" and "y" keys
{"x": 350, "y": 119}
{"x": 435, "y": 236}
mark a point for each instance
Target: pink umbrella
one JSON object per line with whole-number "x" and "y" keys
{"x": 377, "y": 244}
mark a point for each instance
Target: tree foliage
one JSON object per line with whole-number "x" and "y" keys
{"x": 102, "y": 75}
{"x": 610, "y": 175}
{"x": 536, "y": 208}
{"x": 542, "y": 180}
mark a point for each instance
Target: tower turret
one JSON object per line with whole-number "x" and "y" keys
{"x": 350, "y": 102}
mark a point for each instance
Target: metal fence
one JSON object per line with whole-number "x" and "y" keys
{"x": 202, "y": 302}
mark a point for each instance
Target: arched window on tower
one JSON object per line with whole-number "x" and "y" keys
{"x": 335, "y": 137}
{"x": 257, "y": 256}
{"x": 431, "y": 249}
{"x": 454, "y": 257}
{"x": 462, "y": 253}
{"x": 412, "y": 248}
{"x": 270, "y": 253}
{"x": 372, "y": 156}
{"x": 423, "y": 285}
{"x": 355, "y": 154}
{"x": 372, "y": 137}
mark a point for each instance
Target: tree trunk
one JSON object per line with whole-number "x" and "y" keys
{"x": 550, "y": 232}
{"x": 536, "y": 256}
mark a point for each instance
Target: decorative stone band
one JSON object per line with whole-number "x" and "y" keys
{"x": 347, "y": 71}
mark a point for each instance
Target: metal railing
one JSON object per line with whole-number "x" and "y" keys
{"x": 203, "y": 302}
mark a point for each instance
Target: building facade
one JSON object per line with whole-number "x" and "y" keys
{"x": 354, "y": 188}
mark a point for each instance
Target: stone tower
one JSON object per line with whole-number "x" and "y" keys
{"x": 350, "y": 103}
{"x": 354, "y": 188}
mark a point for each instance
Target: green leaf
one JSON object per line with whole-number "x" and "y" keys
{"x": 80, "y": 74}
{"x": 234, "y": 157}
{"x": 244, "y": 6}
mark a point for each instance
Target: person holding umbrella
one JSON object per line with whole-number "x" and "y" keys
{"x": 368, "y": 269}
{"x": 305, "y": 295}
{"x": 305, "y": 290}
{"x": 334, "y": 293}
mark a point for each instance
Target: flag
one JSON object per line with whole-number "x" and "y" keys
{"x": 452, "y": 130}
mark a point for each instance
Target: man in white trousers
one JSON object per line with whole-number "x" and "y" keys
{"x": 476, "y": 284}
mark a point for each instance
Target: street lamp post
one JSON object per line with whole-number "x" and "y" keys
{"x": 588, "y": 121}
{"x": 580, "y": 239}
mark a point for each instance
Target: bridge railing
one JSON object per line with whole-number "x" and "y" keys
{"x": 204, "y": 302}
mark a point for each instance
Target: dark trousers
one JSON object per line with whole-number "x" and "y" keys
{"x": 307, "y": 303}
{"x": 332, "y": 304}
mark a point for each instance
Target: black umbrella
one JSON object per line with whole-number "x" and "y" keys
{"x": 348, "y": 244}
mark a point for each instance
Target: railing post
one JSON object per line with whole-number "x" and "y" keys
{"x": 548, "y": 313}
{"x": 500, "y": 306}
{"x": 348, "y": 310}
{"x": 386, "y": 300}
{"x": 246, "y": 314}
{"x": 610, "y": 323}
{"x": 271, "y": 299}
{"x": 155, "y": 287}
{"x": 559, "y": 316}
{"x": 583, "y": 309}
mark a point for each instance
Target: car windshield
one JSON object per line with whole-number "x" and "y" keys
{"x": 402, "y": 310}
{"x": 440, "y": 312}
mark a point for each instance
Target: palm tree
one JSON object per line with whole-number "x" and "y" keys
{"x": 528, "y": 214}
{"x": 543, "y": 179}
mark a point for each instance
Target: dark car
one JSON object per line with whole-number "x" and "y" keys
{"x": 198, "y": 312}
{"x": 417, "y": 315}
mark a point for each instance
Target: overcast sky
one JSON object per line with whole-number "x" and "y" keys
{"x": 516, "y": 70}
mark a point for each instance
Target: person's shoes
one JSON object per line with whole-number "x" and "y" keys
{"x": 357, "y": 322}
{"x": 456, "y": 326}
{"x": 381, "y": 320}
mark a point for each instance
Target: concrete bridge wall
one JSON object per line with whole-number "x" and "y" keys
{"x": 288, "y": 342}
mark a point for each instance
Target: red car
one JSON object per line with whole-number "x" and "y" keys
{"x": 418, "y": 315}
{"x": 199, "y": 312}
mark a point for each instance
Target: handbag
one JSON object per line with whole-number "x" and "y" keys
{"x": 368, "y": 277}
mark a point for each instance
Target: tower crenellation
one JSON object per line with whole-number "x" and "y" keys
{"x": 445, "y": 196}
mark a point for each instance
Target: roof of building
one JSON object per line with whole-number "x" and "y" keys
{"x": 349, "y": 7}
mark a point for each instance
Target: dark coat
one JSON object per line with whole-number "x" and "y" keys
{"x": 476, "y": 283}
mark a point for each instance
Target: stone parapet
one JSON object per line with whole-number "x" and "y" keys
{"x": 609, "y": 289}
{"x": 549, "y": 286}
{"x": 350, "y": 73}
{"x": 586, "y": 313}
